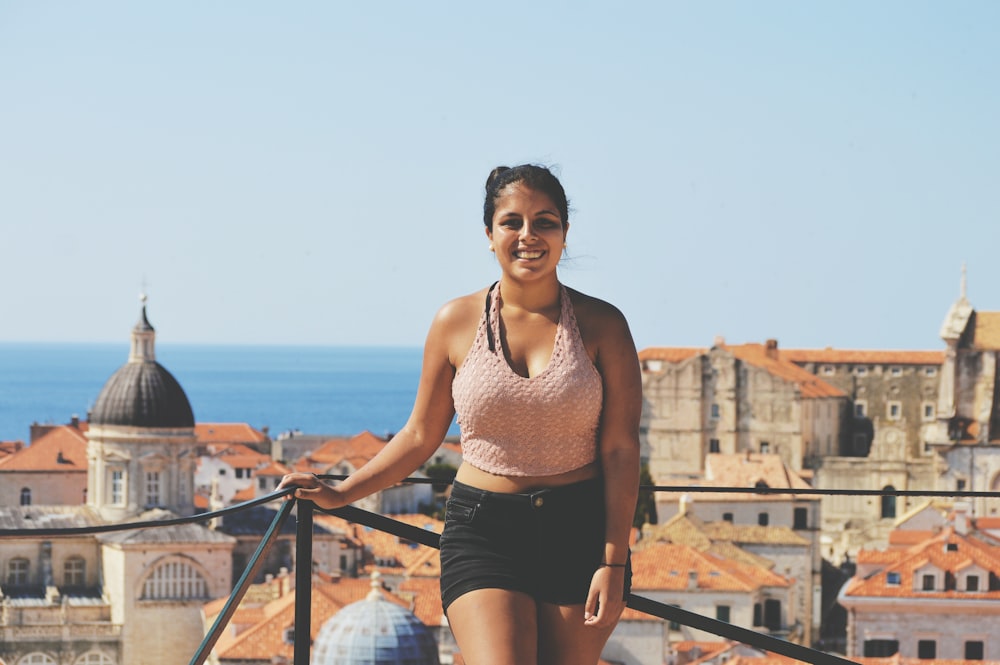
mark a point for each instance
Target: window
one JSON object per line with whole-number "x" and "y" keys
{"x": 892, "y": 578}
{"x": 960, "y": 485}
{"x": 930, "y": 371}
{"x": 800, "y": 519}
{"x": 117, "y": 487}
{"x": 713, "y": 445}
{"x": 727, "y": 517}
{"x": 763, "y": 519}
{"x": 37, "y": 658}
{"x": 239, "y": 473}
{"x": 722, "y": 613}
{"x": 262, "y": 483}
{"x": 827, "y": 370}
{"x": 928, "y": 411}
{"x": 928, "y": 584}
{"x": 174, "y": 580}
{"x": 772, "y": 614}
{"x": 95, "y": 658}
{"x": 765, "y": 447}
{"x": 289, "y": 635}
{"x": 152, "y": 488}
{"x": 896, "y": 371}
{"x": 675, "y": 625}
{"x": 974, "y": 650}
{"x": 860, "y": 408}
{"x": 888, "y": 503}
{"x": 972, "y": 583}
{"x": 881, "y": 648}
{"x": 222, "y": 472}
{"x": 926, "y": 649}
{"x": 758, "y": 614}
{"x": 715, "y": 412}
{"x": 75, "y": 571}
{"x": 860, "y": 370}
{"x": 17, "y": 571}
{"x": 25, "y": 496}
{"x": 893, "y": 410}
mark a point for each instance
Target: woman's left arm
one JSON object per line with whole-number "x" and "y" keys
{"x": 618, "y": 447}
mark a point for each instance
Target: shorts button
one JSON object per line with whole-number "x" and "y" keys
{"x": 539, "y": 501}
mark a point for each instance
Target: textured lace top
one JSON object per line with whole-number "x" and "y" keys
{"x": 538, "y": 426}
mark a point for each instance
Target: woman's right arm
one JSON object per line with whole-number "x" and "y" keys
{"x": 423, "y": 433}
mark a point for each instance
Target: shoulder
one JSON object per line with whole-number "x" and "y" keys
{"x": 455, "y": 324}
{"x": 598, "y": 320}
{"x": 462, "y": 311}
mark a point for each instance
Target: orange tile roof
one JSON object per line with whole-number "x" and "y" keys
{"x": 757, "y": 355}
{"x": 666, "y": 567}
{"x": 207, "y": 433}
{"x": 248, "y": 493}
{"x": 747, "y": 469}
{"x": 986, "y": 336}
{"x": 63, "y": 448}
{"x": 907, "y": 561}
{"x": 860, "y": 357}
{"x": 10, "y": 447}
{"x": 406, "y": 557}
{"x": 272, "y": 469}
{"x": 899, "y": 660}
{"x": 264, "y": 639}
{"x": 358, "y": 449}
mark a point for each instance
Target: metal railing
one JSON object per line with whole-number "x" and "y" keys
{"x": 303, "y": 563}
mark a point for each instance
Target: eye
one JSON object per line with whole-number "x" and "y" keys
{"x": 511, "y": 223}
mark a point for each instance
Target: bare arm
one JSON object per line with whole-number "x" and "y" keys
{"x": 618, "y": 363}
{"x": 424, "y": 431}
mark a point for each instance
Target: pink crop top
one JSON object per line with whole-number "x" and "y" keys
{"x": 538, "y": 426}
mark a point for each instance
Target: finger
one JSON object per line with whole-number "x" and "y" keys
{"x": 591, "y": 606}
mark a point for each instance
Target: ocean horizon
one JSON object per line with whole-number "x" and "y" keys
{"x": 329, "y": 390}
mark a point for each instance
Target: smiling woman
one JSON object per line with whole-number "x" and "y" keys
{"x": 535, "y": 564}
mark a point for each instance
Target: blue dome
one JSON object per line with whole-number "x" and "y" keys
{"x": 374, "y": 631}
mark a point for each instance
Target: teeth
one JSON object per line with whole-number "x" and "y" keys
{"x": 528, "y": 255}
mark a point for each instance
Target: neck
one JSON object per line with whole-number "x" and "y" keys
{"x": 532, "y": 297}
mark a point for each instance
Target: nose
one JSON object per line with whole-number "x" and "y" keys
{"x": 527, "y": 230}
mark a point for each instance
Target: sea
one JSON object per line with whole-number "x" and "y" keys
{"x": 336, "y": 391}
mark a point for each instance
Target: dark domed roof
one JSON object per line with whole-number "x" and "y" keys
{"x": 142, "y": 394}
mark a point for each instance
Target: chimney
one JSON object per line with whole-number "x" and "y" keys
{"x": 692, "y": 580}
{"x": 771, "y": 349}
{"x": 685, "y": 503}
{"x": 961, "y": 513}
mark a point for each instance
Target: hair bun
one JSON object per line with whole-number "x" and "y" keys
{"x": 494, "y": 174}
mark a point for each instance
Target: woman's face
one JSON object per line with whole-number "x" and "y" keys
{"x": 528, "y": 234}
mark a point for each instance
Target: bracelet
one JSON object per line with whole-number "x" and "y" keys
{"x": 611, "y": 565}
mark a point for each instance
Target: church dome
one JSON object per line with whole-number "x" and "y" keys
{"x": 374, "y": 631}
{"x": 142, "y": 393}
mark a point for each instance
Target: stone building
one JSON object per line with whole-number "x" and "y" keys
{"x": 124, "y": 597}
{"x": 733, "y": 399}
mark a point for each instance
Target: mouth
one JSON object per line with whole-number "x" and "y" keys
{"x": 529, "y": 254}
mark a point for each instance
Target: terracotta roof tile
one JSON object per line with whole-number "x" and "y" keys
{"x": 746, "y": 470}
{"x": 63, "y": 448}
{"x": 272, "y": 469}
{"x": 860, "y": 357}
{"x": 899, "y": 660}
{"x": 670, "y": 354}
{"x": 933, "y": 551}
{"x": 666, "y": 566}
{"x": 358, "y": 449}
{"x": 10, "y": 447}
{"x": 207, "y": 433}
{"x": 986, "y": 336}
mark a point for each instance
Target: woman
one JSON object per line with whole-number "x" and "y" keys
{"x": 545, "y": 381}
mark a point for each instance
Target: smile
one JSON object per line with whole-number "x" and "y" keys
{"x": 525, "y": 254}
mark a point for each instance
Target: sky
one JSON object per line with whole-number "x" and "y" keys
{"x": 312, "y": 173}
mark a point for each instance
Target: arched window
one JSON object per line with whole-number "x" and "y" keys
{"x": 37, "y": 658}
{"x": 174, "y": 580}
{"x": 25, "y": 496}
{"x": 17, "y": 571}
{"x": 888, "y": 502}
{"x": 75, "y": 571}
{"x": 94, "y": 658}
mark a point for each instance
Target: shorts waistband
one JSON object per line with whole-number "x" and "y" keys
{"x": 535, "y": 499}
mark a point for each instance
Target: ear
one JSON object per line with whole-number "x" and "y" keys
{"x": 565, "y": 230}
{"x": 489, "y": 232}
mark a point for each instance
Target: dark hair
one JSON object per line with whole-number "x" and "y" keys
{"x": 536, "y": 177}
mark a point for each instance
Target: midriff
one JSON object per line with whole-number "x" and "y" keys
{"x": 485, "y": 480}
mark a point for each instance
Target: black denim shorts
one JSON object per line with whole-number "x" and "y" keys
{"x": 546, "y": 544}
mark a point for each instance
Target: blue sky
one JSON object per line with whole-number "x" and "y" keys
{"x": 311, "y": 172}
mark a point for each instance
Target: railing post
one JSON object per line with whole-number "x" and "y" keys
{"x": 303, "y": 581}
